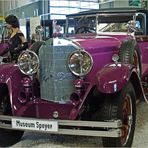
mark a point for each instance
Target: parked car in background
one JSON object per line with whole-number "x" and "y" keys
{"x": 86, "y": 82}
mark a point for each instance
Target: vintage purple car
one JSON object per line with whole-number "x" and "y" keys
{"x": 85, "y": 82}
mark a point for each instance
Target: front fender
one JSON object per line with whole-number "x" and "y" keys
{"x": 11, "y": 76}
{"x": 113, "y": 77}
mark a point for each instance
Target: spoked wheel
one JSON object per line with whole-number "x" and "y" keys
{"x": 121, "y": 106}
{"x": 127, "y": 119}
{"x": 8, "y": 137}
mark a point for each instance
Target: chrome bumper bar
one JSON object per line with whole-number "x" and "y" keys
{"x": 68, "y": 127}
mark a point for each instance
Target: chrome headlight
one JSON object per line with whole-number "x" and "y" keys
{"x": 80, "y": 63}
{"x": 28, "y": 62}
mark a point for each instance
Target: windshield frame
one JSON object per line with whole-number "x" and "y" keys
{"x": 119, "y": 17}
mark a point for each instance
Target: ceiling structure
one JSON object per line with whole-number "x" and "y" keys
{"x": 97, "y": 1}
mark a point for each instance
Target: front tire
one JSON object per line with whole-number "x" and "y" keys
{"x": 8, "y": 137}
{"x": 121, "y": 106}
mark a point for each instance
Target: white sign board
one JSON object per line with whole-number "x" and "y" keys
{"x": 35, "y": 125}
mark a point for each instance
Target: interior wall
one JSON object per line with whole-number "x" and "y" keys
{"x": 31, "y": 11}
{"x": 121, "y": 3}
{"x": 8, "y": 6}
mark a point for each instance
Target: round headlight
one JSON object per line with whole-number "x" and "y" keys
{"x": 80, "y": 63}
{"x": 28, "y": 62}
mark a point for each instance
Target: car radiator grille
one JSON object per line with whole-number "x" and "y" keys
{"x": 56, "y": 80}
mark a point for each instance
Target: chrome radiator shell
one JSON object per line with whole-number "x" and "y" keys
{"x": 56, "y": 80}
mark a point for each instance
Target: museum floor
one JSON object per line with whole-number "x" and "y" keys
{"x": 38, "y": 140}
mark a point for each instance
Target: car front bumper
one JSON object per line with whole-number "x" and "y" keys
{"x": 111, "y": 128}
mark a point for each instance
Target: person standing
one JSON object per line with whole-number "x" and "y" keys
{"x": 17, "y": 42}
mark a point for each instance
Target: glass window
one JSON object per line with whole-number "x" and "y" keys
{"x": 59, "y": 10}
{"x": 68, "y": 7}
{"x": 74, "y": 4}
{"x": 82, "y": 24}
{"x": 57, "y": 16}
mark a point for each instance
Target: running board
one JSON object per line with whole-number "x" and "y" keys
{"x": 110, "y": 128}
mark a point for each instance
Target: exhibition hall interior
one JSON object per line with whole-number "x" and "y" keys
{"x": 32, "y": 13}
{"x": 73, "y": 73}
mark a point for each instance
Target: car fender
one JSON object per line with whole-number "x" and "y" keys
{"x": 10, "y": 77}
{"x": 113, "y": 77}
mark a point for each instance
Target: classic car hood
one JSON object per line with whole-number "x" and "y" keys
{"x": 100, "y": 42}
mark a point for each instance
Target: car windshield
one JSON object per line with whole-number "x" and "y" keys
{"x": 102, "y": 23}
{"x": 82, "y": 24}
{"x": 114, "y": 22}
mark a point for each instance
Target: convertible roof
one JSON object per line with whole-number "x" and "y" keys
{"x": 109, "y": 10}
